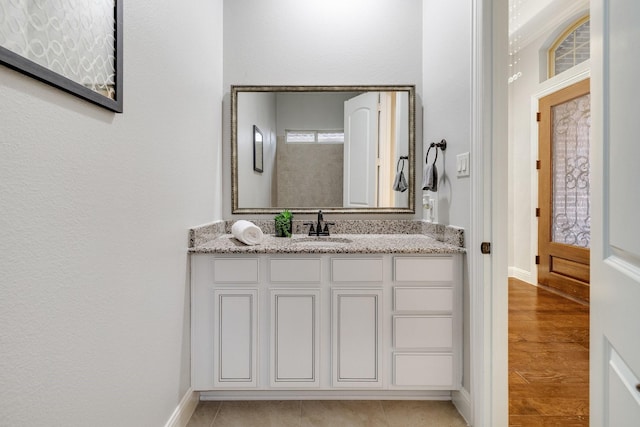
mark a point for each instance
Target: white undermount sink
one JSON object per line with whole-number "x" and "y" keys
{"x": 321, "y": 240}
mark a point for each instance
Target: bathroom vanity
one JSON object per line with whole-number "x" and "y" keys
{"x": 345, "y": 317}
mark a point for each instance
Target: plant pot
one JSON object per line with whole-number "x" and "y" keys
{"x": 284, "y": 231}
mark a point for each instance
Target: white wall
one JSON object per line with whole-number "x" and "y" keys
{"x": 522, "y": 157}
{"x": 447, "y": 114}
{"x": 447, "y": 101}
{"x": 322, "y": 111}
{"x": 258, "y": 109}
{"x": 322, "y": 42}
{"x": 94, "y": 213}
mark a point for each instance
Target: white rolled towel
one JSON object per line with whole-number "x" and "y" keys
{"x": 247, "y": 232}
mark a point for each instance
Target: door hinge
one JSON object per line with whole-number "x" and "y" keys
{"x": 537, "y": 117}
{"x": 485, "y": 247}
{"x": 537, "y": 212}
{"x": 537, "y": 259}
{"x": 538, "y": 164}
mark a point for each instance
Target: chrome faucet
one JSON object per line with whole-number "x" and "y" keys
{"x": 319, "y": 229}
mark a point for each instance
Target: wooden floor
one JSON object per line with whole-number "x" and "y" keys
{"x": 548, "y": 358}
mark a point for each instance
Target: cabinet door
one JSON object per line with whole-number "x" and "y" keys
{"x": 235, "y": 337}
{"x": 356, "y": 337}
{"x": 294, "y": 337}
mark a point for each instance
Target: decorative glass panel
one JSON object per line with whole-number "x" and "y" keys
{"x": 573, "y": 50}
{"x": 570, "y": 147}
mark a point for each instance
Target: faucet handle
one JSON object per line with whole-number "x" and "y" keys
{"x": 326, "y": 227}
{"x": 311, "y": 228}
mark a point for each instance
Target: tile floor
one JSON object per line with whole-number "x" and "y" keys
{"x": 329, "y": 413}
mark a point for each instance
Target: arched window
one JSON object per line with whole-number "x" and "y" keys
{"x": 571, "y": 48}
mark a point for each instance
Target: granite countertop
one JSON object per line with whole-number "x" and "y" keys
{"x": 336, "y": 243}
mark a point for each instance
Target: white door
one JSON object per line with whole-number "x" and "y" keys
{"x": 361, "y": 150}
{"x": 615, "y": 252}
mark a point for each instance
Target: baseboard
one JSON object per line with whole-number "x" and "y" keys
{"x": 520, "y": 274}
{"x": 462, "y": 401}
{"x": 325, "y": 395}
{"x": 185, "y": 409}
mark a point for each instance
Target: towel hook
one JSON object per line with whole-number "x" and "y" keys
{"x": 400, "y": 160}
{"x": 441, "y": 145}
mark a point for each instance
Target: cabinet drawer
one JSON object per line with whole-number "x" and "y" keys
{"x": 356, "y": 270}
{"x": 235, "y": 270}
{"x": 423, "y": 299}
{"x": 423, "y": 369}
{"x": 418, "y": 332}
{"x": 294, "y": 270}
{"x": 423, "y": 269}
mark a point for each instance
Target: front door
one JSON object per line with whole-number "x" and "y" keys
{"x": 615, "y": 196}
{"x": 564, "y": 202}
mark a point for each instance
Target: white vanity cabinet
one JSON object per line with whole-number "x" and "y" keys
{"x": 325, "y": 323}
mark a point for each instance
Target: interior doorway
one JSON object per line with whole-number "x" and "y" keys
{"x": 549, "y": 220}
{"x": 563, "y": 191}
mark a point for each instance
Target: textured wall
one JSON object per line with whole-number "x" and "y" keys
{"x": 321, "y": 42}
{"x": 94, "y": 213}
{"x": 309, "y": 174}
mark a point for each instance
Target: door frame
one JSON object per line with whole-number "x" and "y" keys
{"x": 488, "y": 273}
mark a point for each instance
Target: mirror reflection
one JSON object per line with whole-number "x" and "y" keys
{"x": 331, "y": 148}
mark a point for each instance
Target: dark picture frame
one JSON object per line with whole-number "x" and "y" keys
{"x": 258, "y": 152}
{"x": 30, "y": 68}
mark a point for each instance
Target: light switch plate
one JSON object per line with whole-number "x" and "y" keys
{"x": 462, "y": 164}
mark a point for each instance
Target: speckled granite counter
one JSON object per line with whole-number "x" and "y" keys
{"x": 336, "y": 243}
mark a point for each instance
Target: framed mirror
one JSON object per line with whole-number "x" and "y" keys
{"x": 77, "y": 49}
{"x": 335, "y": 148}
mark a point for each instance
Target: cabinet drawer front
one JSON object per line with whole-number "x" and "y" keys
{"x": 356, "y": 270}
{"x": 235, "y": 270}
{"x": 423, "y": 299}
{"x": 295, "y": 270}
{"x": 423, "y": 269}
{"x": 422, "y": 332}
{"x": 423, "y": 369}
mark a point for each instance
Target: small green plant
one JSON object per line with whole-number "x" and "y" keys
{"x": 283, "y": 223}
